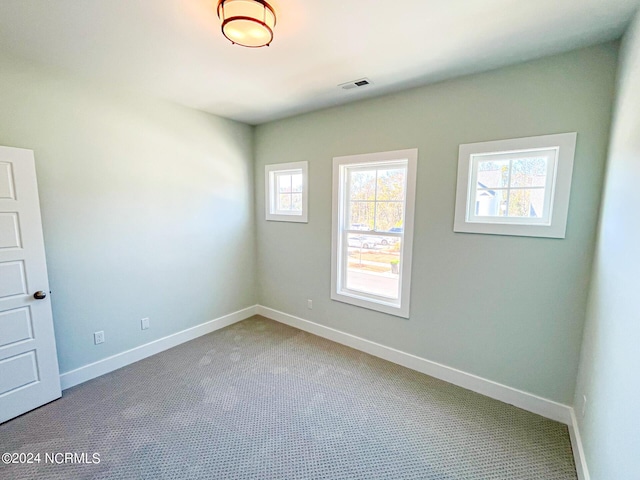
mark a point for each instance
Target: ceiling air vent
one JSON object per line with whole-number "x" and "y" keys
{"x": 363, "y": 82}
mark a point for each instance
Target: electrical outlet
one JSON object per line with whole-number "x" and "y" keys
{"x": 144, "y": 323}
{"x": 98, "y": 337}
{"x": 310, "y": 304}
{"x": 584, "y": 404}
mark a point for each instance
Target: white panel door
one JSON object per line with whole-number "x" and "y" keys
{"x": 29, "y": 374}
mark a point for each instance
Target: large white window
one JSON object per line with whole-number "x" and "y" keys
{"x": 373, "y": 204}
{"x": 515, "y": 187}
{"x": 286, "y": 192}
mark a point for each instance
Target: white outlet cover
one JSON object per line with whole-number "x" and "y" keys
{"x": 144, "y": 323}
{"x": 98, "y": 337}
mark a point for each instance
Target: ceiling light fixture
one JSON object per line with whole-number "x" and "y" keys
{"x": 247, "y": 22}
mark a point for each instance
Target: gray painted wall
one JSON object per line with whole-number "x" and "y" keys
{"x": 610, "y": 364}
{"x": 510, "y": 309}
{"x": 147, "y": 209}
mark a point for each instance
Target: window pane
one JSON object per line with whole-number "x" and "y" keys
{"x": 493, "y": 173}
{"x": 389, "y": 215}
{"x": 527, "y": 203}
{"x": 284, "y": 183}
{"x": 491, "y": 203}
{"x": 361, "y": 215}
{"x": 391, "y": 184}
{"x": 529, "y": 172}
{"x": 284, "y": 201}
{"x": 520, "y": 204}
{"x": 537, "y": 203}
{"x": 296, "y": 202}
{"x": 374, "y": 265}
{"x": 296, "y": 182}
{"x": 362, "y": 185}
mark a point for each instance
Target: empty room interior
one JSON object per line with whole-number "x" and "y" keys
{"x": 339, "y": 239}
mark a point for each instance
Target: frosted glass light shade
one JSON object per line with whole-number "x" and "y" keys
{"x": 248, "y": 23}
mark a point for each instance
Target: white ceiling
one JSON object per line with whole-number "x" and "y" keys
{"x": 174, "y": 49}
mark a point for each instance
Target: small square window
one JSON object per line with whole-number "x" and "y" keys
{"x": 515, "y": 187}
{"x": 286, "y": 192}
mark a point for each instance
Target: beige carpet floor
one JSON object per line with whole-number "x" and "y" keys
{"x": 260, "y": 400}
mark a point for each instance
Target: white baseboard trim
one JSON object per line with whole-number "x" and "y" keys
{"x": 578, "y": 450}
{"x": 87, "y": 372}
{"x": 527, "y": 401}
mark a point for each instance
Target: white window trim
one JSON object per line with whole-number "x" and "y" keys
{"x": 558, "y": 196}
{"x": 270, "y": 192}
{"x": 401, "y": 308}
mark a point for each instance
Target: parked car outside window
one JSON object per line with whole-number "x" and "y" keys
{"x": 367, "y": 241}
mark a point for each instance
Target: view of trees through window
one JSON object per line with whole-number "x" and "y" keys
{"x": 289, "y": 191}
{"x": 511, "y": 187}
{"x": 376, "y": 205}
{"x": 376, "y": 199}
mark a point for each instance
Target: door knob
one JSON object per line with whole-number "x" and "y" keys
{"x": 39, "y": 295}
